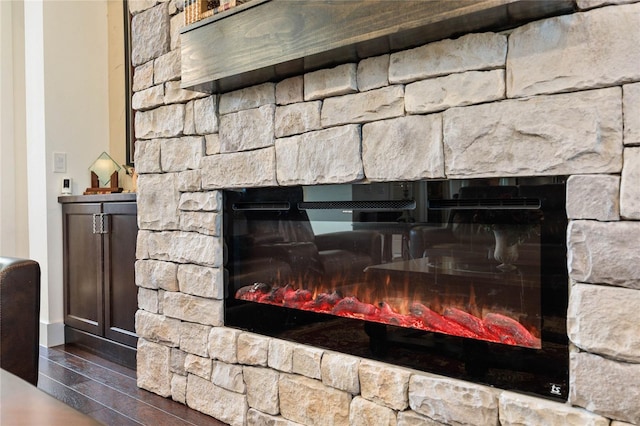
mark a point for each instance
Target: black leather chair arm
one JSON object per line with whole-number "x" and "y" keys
{"x": 20, "y": 317}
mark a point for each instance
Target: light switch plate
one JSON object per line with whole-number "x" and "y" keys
{"x": 59, "y": 162}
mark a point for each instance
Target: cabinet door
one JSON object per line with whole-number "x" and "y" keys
{"x": 82, "y": 268}
{"x": 120, "y": 291}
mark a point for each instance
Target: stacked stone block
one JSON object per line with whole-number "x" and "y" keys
{"x": 560, "y": 96}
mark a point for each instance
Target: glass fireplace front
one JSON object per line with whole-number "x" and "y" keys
{"x": 461, "y": 278}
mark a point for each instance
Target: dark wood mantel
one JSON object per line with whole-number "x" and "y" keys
{"x": 265, "y": 40}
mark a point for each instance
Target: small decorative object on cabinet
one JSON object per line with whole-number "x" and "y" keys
{"x": 100, "y": 294}
{"x": 104, "y": 176}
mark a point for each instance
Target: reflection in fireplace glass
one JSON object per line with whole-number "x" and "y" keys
{"x": 456, "y": 272}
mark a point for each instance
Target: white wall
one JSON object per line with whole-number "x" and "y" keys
{"x": 76, "y": 86}
{"x": 66, "y": 93}
{"x": 13, "y": 175}
{"x": 7, "y": 178}
{"x": 117, "y": 90}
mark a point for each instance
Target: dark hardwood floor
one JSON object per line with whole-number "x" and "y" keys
{"x": 107, "y": 391}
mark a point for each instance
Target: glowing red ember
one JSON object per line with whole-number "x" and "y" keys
{"x": 510, "y": 331}
{"x": 494, "y": 328}
{"x": 471, "y": 323}
{"x": 437, "y": 322}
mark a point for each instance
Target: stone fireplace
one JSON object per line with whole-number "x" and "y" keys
{"x": 555, "y": 97}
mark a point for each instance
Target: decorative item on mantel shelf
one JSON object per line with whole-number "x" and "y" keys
{"x": 104, "y": 176}
{"x": 510, "y": 228}
{"x": 196, "y": 10}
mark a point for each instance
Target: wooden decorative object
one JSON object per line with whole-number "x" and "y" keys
{"x": 104, "y": 167}
{"x": 95, "y": 185}
{"x": 197, "y": 10}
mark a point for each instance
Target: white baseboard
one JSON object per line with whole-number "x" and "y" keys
{"x": 51, "y": 334}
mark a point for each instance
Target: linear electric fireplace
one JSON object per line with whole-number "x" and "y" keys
{"x": 465, "y": 278}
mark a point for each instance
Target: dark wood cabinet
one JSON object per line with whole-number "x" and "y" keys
{"x": 100, "y": 294}
{"x": 82, "y": 268}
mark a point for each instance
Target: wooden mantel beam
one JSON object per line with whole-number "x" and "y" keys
{"x": 267, "y": 40}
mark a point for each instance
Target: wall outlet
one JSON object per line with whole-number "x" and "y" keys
{"x": 59, "y": 162}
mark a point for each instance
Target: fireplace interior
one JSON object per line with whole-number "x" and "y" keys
{"x": 465, "y": 278}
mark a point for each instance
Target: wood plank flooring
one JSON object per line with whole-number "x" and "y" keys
{"x": 107, "y": 391}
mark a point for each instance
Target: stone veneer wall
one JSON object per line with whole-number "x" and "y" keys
{"x": 559, "y": 96}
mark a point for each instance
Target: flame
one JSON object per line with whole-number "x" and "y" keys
{"x": 410, "y": 307}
